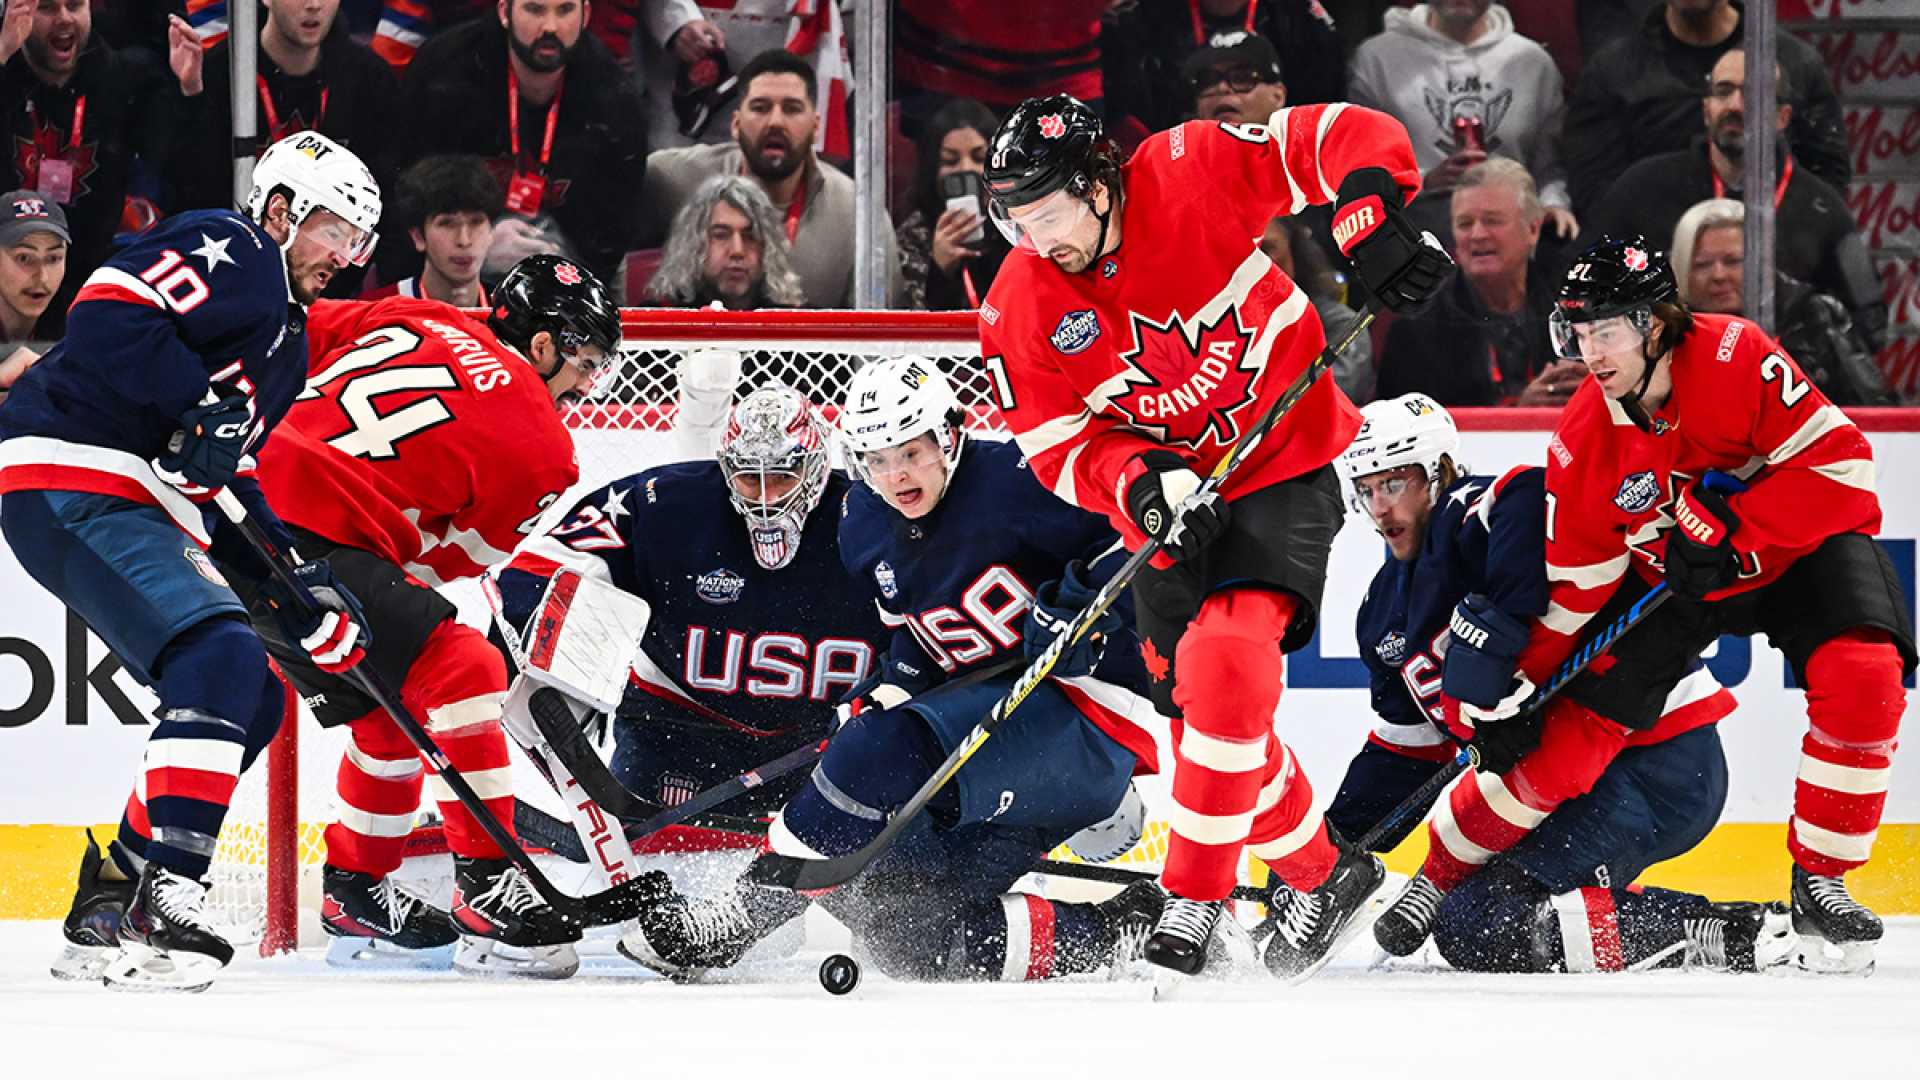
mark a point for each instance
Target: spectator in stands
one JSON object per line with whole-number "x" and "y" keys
{"x": 569, "y": 150}
{"x": 1466, "y": 86}
{"x": 312, "y": 76}
{"x": 1638, "y": 97}
{"x": 773, "y": 143}
{"x": 1290, "y": 244}
{"x": 1000, "y": 52}
{"x": 33, "y": 263}
{"x": 1237, "y": 80}
{"x": 447, "y": 205}
{"x": 80, "y": 157}
{"x": 691, "y": 52}
{"x": 727, "y": 248}
{"x": 1709, "y": 263}
{"x": 949, "y": 255}
{"x": 1150, "y": 51}
{"x": 405, "y": 25}
{"x": 1484, "y": 342}
{"x": 1816, "y": 239}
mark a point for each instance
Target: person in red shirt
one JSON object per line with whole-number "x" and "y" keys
{"x": 1699, "y": 457}
{"x": 1135, "y": 334}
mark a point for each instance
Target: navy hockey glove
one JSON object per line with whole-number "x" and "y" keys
{"x": 1054, "y": 607}
{"x": 207, "y": 449}
{"x": 894, "y": 682}
{"x": 1159, "y": 495}
{"x": 1700, "y": 553}
{"x": 1402, "y": 267}
{"x": 336, "y": 636}
{"x": 1482, "y": 652}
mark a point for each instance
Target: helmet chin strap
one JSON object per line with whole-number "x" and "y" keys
{"x": 1100, "y": 242}
{"x": 1630, "y": 402}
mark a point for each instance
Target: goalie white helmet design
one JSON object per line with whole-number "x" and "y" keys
{"x": 897, "y": 399}
{"x": 774, "y": 457}
{"x": 1412, "y": 429}
{"x": 318, "y": 174}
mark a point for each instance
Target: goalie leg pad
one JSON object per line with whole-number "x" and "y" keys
{"x": 1854, "y": 707}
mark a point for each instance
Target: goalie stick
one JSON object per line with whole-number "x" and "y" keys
{"x": 613, "y": 905}
{"x": 804, "y": 874}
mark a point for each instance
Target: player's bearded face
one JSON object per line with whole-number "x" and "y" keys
{"x": 1062, "y": 226}
{"x": 911, "y": 477}
{"x": 1399, "y": 502}
{"x": 323, "y": 246}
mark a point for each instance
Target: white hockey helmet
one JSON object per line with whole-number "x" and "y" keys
{"x": 775, "y": 434}
{"x": 896, "y": 399}
{"x": 1412, "y": 429}
{"x": 317, "y": 173}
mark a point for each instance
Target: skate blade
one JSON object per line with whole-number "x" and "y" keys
{"x": 1168, "y": 983}
{"x": 83, "y": 963}
{"x": 487, "y": 958}
{"x": 145, "y": 969}
{"x": 1818, "y": 956}
{"x": 1370, "y": 909}
{"x": 372, "y": 954}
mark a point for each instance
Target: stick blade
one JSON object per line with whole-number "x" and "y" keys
{"x": 808, "y": 875}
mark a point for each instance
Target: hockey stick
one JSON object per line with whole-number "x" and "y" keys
{"x": 612, "y": 905}
{"x": 787, "y": 871}
{"x": 1469, "y": 757}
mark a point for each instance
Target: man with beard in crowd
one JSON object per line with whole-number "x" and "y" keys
{"x": 773, "y": 132}
{"x": 569, "y": 148}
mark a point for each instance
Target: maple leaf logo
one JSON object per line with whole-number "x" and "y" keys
{"x": 1158, "y": 667}
{"x": 1052, "y": 126}
{"x": 1184, "y": 383}
{"x": 50, "y": 144}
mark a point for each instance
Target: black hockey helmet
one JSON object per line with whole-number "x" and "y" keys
{"x": 1043, "y": 146}
{"x": 1615, "y": 277}
{"x": 547, "y": 292}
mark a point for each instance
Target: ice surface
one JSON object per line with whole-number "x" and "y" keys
{"x": 296, "y": 1017}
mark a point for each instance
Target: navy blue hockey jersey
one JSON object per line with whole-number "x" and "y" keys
{"x": 956, "y": 584}
{"x": 201, "y": 298}
{"x": 1485, "y": 536}
{"x": 730, "y": 645}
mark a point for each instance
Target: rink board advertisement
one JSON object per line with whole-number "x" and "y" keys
{"x": 72, "y": 723}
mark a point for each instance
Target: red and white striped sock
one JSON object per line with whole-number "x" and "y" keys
{"x": 1854, "y": 705}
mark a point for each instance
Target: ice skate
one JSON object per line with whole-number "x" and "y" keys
{"x": 92, "y": 927}
{"x": 165, "y": 938}
{"x": 1837, "y": 933}
{"x": 1741, "y": 937}
{"x": 373, "y": 921}
{"x": 682, "y": 937}
{"x": 1137, "y": 913}
{"x": 1408, "y": 922}
{"x": 505, "y": 926}
{"x": 1318, "y": 923}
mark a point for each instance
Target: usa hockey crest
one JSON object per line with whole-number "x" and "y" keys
{"x": 719, "y": 586}
{"x": 1185, "y": 383}
{"x": 1077, "y": 332}
{"x": 1637, "y": 492}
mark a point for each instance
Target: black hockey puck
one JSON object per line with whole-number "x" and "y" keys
{"x": 839, "y": 973}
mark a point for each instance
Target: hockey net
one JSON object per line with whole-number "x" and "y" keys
{"x": 267, "y": 867}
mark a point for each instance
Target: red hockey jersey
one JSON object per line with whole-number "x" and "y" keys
{"x": 1739, "y": 404}
{"x": 420, "y": 438}
{"x": 1183, "y": 336}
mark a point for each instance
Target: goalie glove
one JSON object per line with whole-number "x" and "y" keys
{"x": 334, "y": 630}
{"x": 1403, "y": 268}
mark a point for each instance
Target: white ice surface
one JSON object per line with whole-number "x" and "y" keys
{"x": 296, "y": 1017}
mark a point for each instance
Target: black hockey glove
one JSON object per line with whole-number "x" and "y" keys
{"x": 1700, "y": 553}
{"x": 336, "y": 636}
{"x": 1503, "y": 734}
{"x": 1054, "y": 607}
{"x": 1403, "y": 268}
{"x": 207, "y": 449}
{"x": 1159, "y": 488}
{"x": 1482, "y": 651}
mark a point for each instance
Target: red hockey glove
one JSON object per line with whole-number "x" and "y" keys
{"x": 1402, "y": 267}
{"x": 1700, "y": 554}
{"x": 335, "y": 636}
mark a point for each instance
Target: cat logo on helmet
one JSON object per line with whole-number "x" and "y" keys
{"x": 1635, "y": 259}
{"x": 1417, "y": 406}
{"x": 313, "y": 148}
{"x": 567, "y": 274}
{"x": 1052, "y": 126}
{"x": 915, "y": 376}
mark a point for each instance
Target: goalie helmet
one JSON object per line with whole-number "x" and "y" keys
{"x": 1412, "y": 429}
{"x": 895, "y": 400}
{"x": 316, "y": 173}
{"x": 774, "y": 439}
